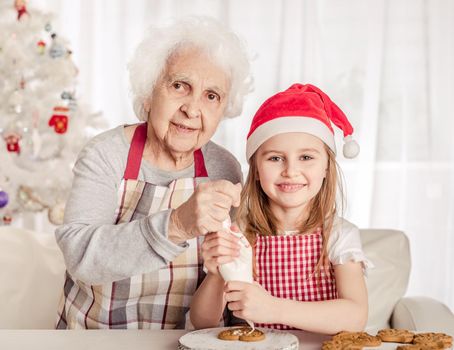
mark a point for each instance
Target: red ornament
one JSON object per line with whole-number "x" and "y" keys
{"x": 21, "y": 8}
{"x": 7, "y": 219}
{"x": 12, "y": 142}
{"x": 41, "y": 47}
{"x": 59, "y": 119}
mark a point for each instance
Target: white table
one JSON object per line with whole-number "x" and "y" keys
{"x": 122, "y": 339}
{"x": 113, "y": 339}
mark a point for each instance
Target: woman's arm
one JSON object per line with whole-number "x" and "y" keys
{"x": 97, "y": 251}
{"x": 348, "y": 312}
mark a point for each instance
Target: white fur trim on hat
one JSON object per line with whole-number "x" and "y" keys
{"x": 283, "y": 125}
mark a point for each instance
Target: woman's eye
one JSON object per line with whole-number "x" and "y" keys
{"x": 275, "y": 158}
{"x": 177, "y": 85}
{"x": 306, "y": 157}
{"x": 213, "y": 97}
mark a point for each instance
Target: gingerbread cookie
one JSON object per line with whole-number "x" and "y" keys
{"x": 358, "y": 338}
{"x": 242, "y": 334}
{"x": 434, "y": 339}
{"x": 418, "y": 347}
{"x": 340, "y": 345}
{"x": 396, "y": 335}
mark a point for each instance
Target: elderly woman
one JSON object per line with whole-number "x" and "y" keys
{"x": 144, "y": 195}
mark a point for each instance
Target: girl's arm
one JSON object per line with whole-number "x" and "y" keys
{"x": 208, "y": 302}
{"x": 347, "y": 313}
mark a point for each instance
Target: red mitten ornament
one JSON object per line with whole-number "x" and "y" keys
{"x": 12, "y": 142}
{"x": 59, "y": 119}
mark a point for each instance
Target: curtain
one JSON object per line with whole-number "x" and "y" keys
{"x": 387, "y": 64}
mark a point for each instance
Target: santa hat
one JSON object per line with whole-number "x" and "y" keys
{"x": 300, "y": 108}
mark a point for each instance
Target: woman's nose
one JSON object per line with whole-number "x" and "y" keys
{"x": 191, "y": 108}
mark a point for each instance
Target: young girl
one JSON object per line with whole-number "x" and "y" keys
{"x": 308, "y": 262}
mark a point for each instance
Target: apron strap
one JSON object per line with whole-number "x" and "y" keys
{"x": 135, "y": 152}
{"x": 199, "y": 164}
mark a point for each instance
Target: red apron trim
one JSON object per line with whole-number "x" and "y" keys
{"x": 135, "y": 152}
{"x": 199, "y": 164}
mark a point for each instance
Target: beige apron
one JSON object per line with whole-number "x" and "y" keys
{"x": 155, "y": 300}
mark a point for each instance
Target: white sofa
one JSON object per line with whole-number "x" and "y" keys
{"x": 32, "y": 270}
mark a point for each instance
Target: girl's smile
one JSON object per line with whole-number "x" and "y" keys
{"x": 290, "y": 187}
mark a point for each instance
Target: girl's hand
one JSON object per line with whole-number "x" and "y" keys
{"x": 219, "y": 248}
{"x": 250, "y": 301}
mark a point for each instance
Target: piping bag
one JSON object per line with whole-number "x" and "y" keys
{"x": 240, "y": 269}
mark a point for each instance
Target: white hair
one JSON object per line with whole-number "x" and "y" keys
{"x": 207, "y": 34}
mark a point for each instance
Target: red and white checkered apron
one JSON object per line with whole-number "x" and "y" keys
{"x": 285, "y": 267}
{"x": 155, "y": 300}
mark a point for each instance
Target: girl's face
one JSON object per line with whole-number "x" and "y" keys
{"x": 291, "y": 168}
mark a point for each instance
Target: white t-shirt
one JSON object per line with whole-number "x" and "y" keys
{"x": 344, "y": 244}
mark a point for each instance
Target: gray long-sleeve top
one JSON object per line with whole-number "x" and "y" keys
{"x": 97, "y": 251}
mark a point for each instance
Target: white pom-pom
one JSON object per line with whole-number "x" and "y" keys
{"x": 351, "y": 147}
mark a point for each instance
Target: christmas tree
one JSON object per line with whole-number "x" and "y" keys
{"x": 42, "y": 124}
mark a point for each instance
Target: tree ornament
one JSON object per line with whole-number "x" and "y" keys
{"x": 71, "y": 100}
{"x": 4, "y": 199}
{"x": 41, "y": 47}
{"x": 56, "y": 49}
{"x": 12, "y": 141}
{"x": 22, "y": 83}
{"x": 7, "y": 219}
{"x": 59, "y": 119}
{"x": 66, "y": 95}
{"x": 21, "y": 7}
{"x": 56, "y": 213}
{"x": 29, "y": 200}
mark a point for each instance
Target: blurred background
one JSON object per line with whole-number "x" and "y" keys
{"x": 389, "y": 65}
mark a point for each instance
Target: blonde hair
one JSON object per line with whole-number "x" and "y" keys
{"x": 207, "y": 34}
{"x": 255, "y": 217}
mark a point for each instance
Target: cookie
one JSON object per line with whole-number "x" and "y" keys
{"x": 440, "y": 339}
{"x": 340, "y": 345}
{"x": 256, "y": 335}
{"x": 418, "y": 347}
{"x": 229, "y": 334}
{"x": 358, "y": 338}
{"x": 396, "y": 335}
{"x": 242, "y": 334}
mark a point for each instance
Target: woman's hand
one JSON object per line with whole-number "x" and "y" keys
{"x": 204, "y": 211}
{"x": 219, "y": 248}
{"x": 250, "y": 301}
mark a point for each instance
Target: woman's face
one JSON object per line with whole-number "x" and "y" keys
{"x": 291, "y": 168}
{"x": 188, "y": 102}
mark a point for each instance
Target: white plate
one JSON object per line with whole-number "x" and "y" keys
{"x": 207, "y": 339}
